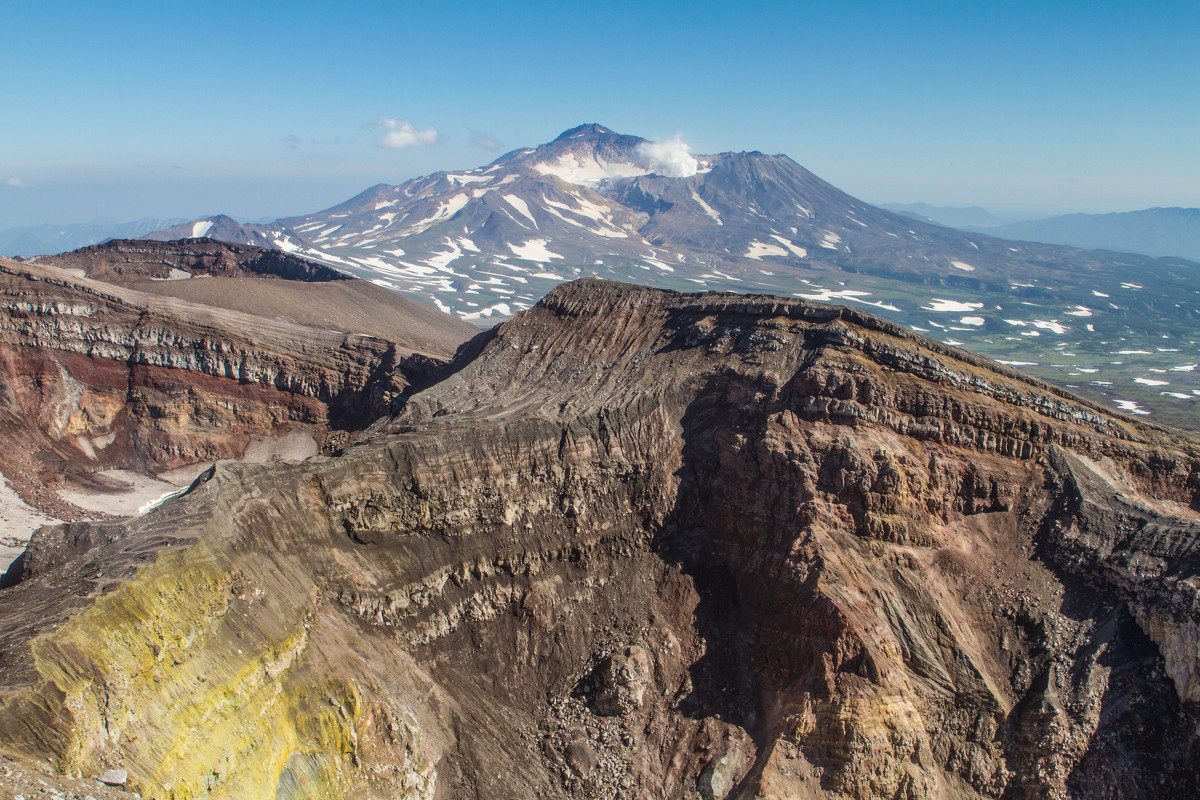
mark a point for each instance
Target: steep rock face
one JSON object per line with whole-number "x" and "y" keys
{"x": 97, "y": 375}
{"x": 647, "y": 545}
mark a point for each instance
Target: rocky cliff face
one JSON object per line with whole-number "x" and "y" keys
{"x": 646, "y": 545}
{"x": 131, "y": 261}
{"x": 99, "y": 375}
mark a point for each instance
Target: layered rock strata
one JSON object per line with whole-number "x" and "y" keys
{"x": 97, "y": 375}
{"x": 646, "y": 545}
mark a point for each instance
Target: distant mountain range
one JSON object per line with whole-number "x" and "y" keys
{"x": 1153, "y": 231}
{"x": 1150, "y": 232}
{"x": 950, "y": 216}
{"x": 486, "y": 242}
{"x": 46, "y": 239}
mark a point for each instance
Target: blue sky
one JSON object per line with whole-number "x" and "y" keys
{"x": 270, "y": 109}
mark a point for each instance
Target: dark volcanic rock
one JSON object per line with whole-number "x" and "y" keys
{"x": 644, "y": 544}
{"x": 125, "y": 261}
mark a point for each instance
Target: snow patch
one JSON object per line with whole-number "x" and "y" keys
{"x": 465, "y": 179}
{"x": 799, "y": 251}
{"x": 375, "y": 262}
{"x": 825, "y": 295}
{"x": 443, "y": 211}
{"x": 941, "y": 304}
{"x": 1132, "y": 407}
{"x": 709, "y": 210}
{"x": 610, "y": 233}
{"x": 499, "y": 309}
{"x": 520, "y": 205}
{"x": 533, "y": 250}
{"x": 757, "y": 250}
{"x": 442, "y": 260}
{"x": 1050, "y": 325}
{"x": 590, "y": 209}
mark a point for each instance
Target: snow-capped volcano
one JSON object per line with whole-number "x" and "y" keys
{"x": 493, "y": 239}
{"x": 487, "y": 242}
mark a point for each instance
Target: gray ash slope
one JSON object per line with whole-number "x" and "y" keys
{"x": 487, "y": 242}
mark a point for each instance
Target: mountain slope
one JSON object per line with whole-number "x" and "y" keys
{"x": 486, "y": 242}
{"x": 950, "y": 216}
{"x": 1152, "y": 231}
{"x": 644, "y": 544}
{"x": 270, "y": 285}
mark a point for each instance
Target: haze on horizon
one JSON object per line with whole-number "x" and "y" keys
{"x": 276, "y": 109}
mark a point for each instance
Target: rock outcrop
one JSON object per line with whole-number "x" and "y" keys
{"x": 646, "y": 545}
{"x": 98, "y": 375}
{"x": 132, "y": 261}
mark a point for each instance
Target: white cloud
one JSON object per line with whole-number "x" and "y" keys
{"x": 401, "y": 133}
{"x": 670, "y": 158}
{"x": 16, "y": 183}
